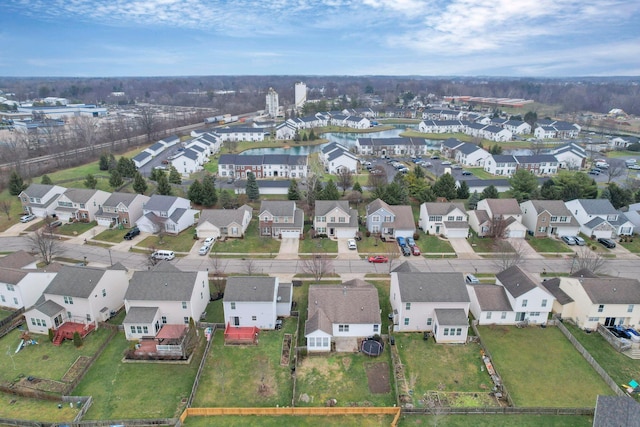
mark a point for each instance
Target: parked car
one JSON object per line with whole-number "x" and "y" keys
{"x": 595, "y": 172}
{"x": 204, "y": 249}
{"x": 456, "y": 167}
{"x": 579, "y": 240}
{"x": 446, "y": 163}
{"x": 27, "y": 218}
{"x": 378, "y": 259}
{"x": 54, "y": 224}
{"x": 435, "y": 157}
{"x": 633, "y": 166}
{"x": 607, "y": 243}
{"x": 406, "y": 251}
{"x": 466, "y": 173}
{"x": 569, "y": 240}
{"x": 401, "y": 241}
{"x": 410, "y": 241}
{"x": 133, "y": 232}
{"x": 209, "y": 241}
{"x": 471, "y": 279}
{"x": 351, "y": 244}
{"x": 415, "y": 250}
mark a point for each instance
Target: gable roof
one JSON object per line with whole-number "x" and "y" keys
{"x": 37, "y": 191}
{"x": 162, "y": 285}
{"x": 324, "y": 206}
{"x": 49, "y": 307}
{"x": 140, "y": 315}
{"x": 504, "y": 207}
{"x": 597, "y": 206}
{"x": 443, "y": 208}
{"x": 516, "y": 281}
{"x": 18, "y": 259}
{"x": 250, "y": 289}
{"x": 615, "y": 290}
{"x": 432, "y": 287}
{"x": 116, "y": 198}
{"x": 492, "y": 298}
{"x": 278, "y": 207}
{"x": 406, "y": 267}
{"x": 160, "y": 203}
{"x": 75, "y": 281}
{"x": 451, "y": 316}
{"x": 80, "y": 195}
{"x": 224, "y": 217}
{"x": 553, "y": 287}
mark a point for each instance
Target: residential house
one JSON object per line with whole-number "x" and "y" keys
{"x": 548, "y": 129}
{"x": 633, "y": 214}
{"x": 286, "y": 131}
{"x": 501, "y": 164}
{"x": 530, "y": 301}
{"x": 263, "y": 166}
{"x": 449, "y": 146}
{"x": 442, "y": 126}
{"x": 590, "y": 301}
{"x": 224, "y": 222}
{"x": 490, "y": 305}
{"x": 394, "y": 221}
{"x": 471, "y": 155}
{"x": 546, "y": 218}
{"x": 79, "y": 295}
{"x": 598, "y": 218}
{"x": 256, "y": 301}
{"x": 538, "y": 164}
{"x": 189, "y": 161}
{"x": 19, "y": 259}
{"x": 335, "y": 219}
{"x": 156, "y": 149}
{"x": 398, "y": 146}
{"x": 340, "y": 315}
{"x": 40, "y": 199}
{"x": 80, "y": 204}
{"x": 497, "y": 217}
{"x": 570, "y": 156}
{"x": 336, "y": 158}
{"x": 121, "y": 209}
{"x": 163, "y": 296}
{"x": 281, "y": 219}
{"x": 623, "y": 142}
{"x": 167, "y": 213}
{"x": 432, "y": 302}
{"x": 142, "y": 159}
{"x": 444, "y": 218}
{"x": 238, "y": 133}
{"x": 21, "y": 288}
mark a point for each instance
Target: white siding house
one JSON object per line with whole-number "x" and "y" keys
{"x": 252, "y": 301}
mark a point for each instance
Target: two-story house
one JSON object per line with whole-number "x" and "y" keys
{"x": 256, "y": 301}
{"x": 544, "y": 218}
{"x": 444, "y": 218}
{"x": 335, "y": 219}
{"x": 538, "y": 164}
{"x": 167, "y": 213}
{"x": 337, "y": 157}
{"x": 40, "y": 199}
{"x": 598, "y": 218}
{"x": 497, "y": 218}
{"x": 432, "y": 302}
{"x": 80, "y": 204}
{"x": 281, "y": 219}
{"x": 21, "y": 288}
{"x": 500, "y": 164}
{"x": 121, "y": 209}
{"x": 393, "y": 221}
{"x": 224, "y": 222}
{"x": 471, "y": 155}
{"x": 570, "y": 156}
{"x": 163, "y": 296}
{"x": 340, "y": 315}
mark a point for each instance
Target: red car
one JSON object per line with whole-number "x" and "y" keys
{"x": 415, "y": 250}
{"x": 378, "y": 259}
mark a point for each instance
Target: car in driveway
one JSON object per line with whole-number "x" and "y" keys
{"x": 633, "y": 166}
{"x": 415, "y": 251}
{"x": 607, "y": 243}
{"x": 467, "y": 173}
{"x": 378, "y": 259}
{"x": 406, "y": 250}
{"x": 401, "y": 241}
{"x": 203, "y": 249}
{"x": 411, "y": 242}
{"x": 579, "y": 240}
{"x": 27, "y": 218}
{"x": 133, "y": 232}
{"x": 209, "y": 241}
{"x": 446, "y": 163}
{"x": 351, "y": 244}
{"x": 569, "y": 240}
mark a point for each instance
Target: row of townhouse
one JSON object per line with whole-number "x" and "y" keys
{"x": 336, "y": 158}
{"x": 399, "y": 146}
{"x": 500, "y": 130}
{"x": 196, "y": 153}
{"x": 151, "y": 152}
{"x": 263, "y": 166}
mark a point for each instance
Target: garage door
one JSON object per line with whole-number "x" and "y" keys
{"x": 457, "y": 233}
{"x": 290, "y": 234}
{"x": 516, "y": 234}
{"x": 345, "y": 233}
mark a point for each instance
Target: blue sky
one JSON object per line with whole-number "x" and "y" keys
{"x": 546, "y": 38}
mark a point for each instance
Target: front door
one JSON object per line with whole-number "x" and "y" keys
{"x": 610, "y": 321}
{"x": 331, "y": 232}
{"x": 236, "y": 321}
{"x": 437, "y": 229}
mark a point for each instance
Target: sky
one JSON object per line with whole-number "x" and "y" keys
{"x": 511, "y": 38}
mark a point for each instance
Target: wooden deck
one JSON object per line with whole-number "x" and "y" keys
{"x": 67, "y": 329}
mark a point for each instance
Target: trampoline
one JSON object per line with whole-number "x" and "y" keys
{"x": 372, "y": 347}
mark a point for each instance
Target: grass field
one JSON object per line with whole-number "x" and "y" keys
{"x": 547, "y": 244}
{"x": 527, "y": 366}
{"x": 75, "y": 229}
{"x": 279, "y": 421}
{"x": 137, "y": 390}
{"x": 252, "y": 242}
{"x": 246, "y": 375}
{"x": 496, "y": 421}
{"x": 113, "y": 235}
{"x": 633, "y": 246}
{"x": 22, "y": 408}
{"x": 183, "y": 242}
{"x": 323, "y": 246}
{"x": 433, "y": 244}
{"x": 483, "y": 244}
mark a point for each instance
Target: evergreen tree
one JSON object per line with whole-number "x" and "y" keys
{"x": 16, "y": 183}
{"x": 252, "y": 189}
{"x": 90, "y": 181}
{"x": 473, "y": 200}
{"x": 312, "y": 135}
{"x": 209, "y": 193}
{"x": 491, "y": 192}
{"x": 293, "y": 193}
{"x": 396, "y": 194}
{"x": 425, "y": 194}
{"x": 523, "y": 185}
{"x": 618, "y": 196}
{"x": 155, "y": 173}
{"x": 77, "y": 339}
{"x": 126, "y": 167}
{"x": 194, "y": 193}
{"x": 330, "y": 191}
{"x": 418, "y": 172}
{"x": 357, "y": 187}
{"x": 164, "y": 188}
{"x": 46, "y": 180}
{"x": 115, "y": 180}
{"x": 174, "y": 176}
{"x": 549, "y": 190}
{"x": 636, "y": 197}
{"x": 445, "y": 186}
{"x": 226, "y": 201}
{"x": 103, "y": 164}
{"x": 463, "y": 190}
{"x": 113, "y": 163}
{"x": 139, "y": 183}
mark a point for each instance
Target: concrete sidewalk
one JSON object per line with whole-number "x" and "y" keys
{"x": 288, "y": 248}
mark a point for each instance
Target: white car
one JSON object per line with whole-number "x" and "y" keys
{"x": 204, "y": 249}
{"x": 27, "y": 218}
{"x": 351, "y": 244}
{"x": 209, "y": 241}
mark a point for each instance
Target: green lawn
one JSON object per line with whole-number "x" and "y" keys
{"x": 480, "y": 173}
{"x": 496, "y": 421}
{"x": 483, "y": 244}
{"x": 279, "y": 421}
{"x": 528, "y": 357}
{"x": 324, "y": 246}
{"x": 137, "y": 390}
{"x": 631, "y": 246}
{"x": 113, "y": 235}
{"x": 75, "y": 229}
{"x": 428, "y": 367}
{"x": 183, "y": 242}
{"x": 248, "y": 376}
{"x": 14, "y": 213}
{"x": 341, "y": 376}
{"x": 5, "y": 313}
{"x": 547, "y": 244}
{"x": 433, "y": 244}
{"x": 252, "y": 242}
{"x": 620, "y": 368}
{"x": 215, "y": 312}
{"x": 23, "y": 408}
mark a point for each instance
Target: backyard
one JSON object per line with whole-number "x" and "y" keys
{"x": 526, "y": 371}
{"x": 246, "y": 376}
{"x": 302, "y": 421}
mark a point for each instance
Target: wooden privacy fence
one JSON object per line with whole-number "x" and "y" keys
{"x": 298, "y": 411}
{"x": 504, "y": 410}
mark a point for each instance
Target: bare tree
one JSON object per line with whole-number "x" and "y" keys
{"x": 231, "y": 145}
{"x": 377, "y": 177}
{"x": 585, "y": 258}
{"x": 148, "y": 122}
{"x": 46, "y": 244}
{"x": 250, "y": 266}
{"x": 318, "y": 266}
{"x": 218, "y": 264}
{"x": 345, "y": 179}
{"x": 393, "y": 254}
{"x": 508, "y": 255}
{"x": 159, "y": 228}
{"x": 5, "y": 206}
{"x": 615, "y": 170}
{"x": 498, "y": 227}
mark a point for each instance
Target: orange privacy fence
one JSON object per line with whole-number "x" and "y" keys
{"x": 191, "y": 412}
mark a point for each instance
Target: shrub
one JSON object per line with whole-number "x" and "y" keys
{"x": 368, "y": 233}
{"x": 416, "y": 236}
{"x": 77, "y": 340}
{"x": 52, "y": 334}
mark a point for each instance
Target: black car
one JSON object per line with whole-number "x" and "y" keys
{"x": 607, "y": 243}
{"x": 466, "y": 173}
{"x": 132, "y": 233}
{"x": 406, "y": 251}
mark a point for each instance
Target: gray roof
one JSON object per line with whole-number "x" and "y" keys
{"x": 157, "y": 146}
{"x": 468, "y": 148}
{"x": 116, "y": 198}
{"x": 80, "y": 195}
{"x": 284, "y": 292}
{"x": 254, "y": 289}
{"x": 597, "y": 206}
{"x": 406, "y": 267}
{"x": 612, "y": 290}
{"x": 452, "y": 143}
{"x": 12, "y": 276}
{"x": 443, "y": 208}
{"x": 492, "y": 298}
{"x": 553, "y": 287}
{"x": 224, "y": 217}
{"x": 537, "y": 158}
{"x": 140, "y": 315}
{"x": 324, "y": 206}
{"x": 503, "y": 207}
{"x": 616, "y": 411}
{"x": 50, "y": 308}
{"x": 504, "y": 158}
{"x": 432, "y": 287}
{"x": 190, "y": 154}
{"x": 160, "y": 203}
{"x": 75, "y": 281}
{"x": 38, "y": 191}
{"x": 162, "y": 285}
{"x": 177, "y": 214}
{"x": 278, "y": 207}
{"x": 516, "y": 281}
{"x": 451, "y": 317}
{"x": 141, "y": 156}
{"x": 17, "y": 259}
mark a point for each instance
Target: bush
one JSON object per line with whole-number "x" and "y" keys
{"x": 368, "y": 233}
{"x": 77, "y": 339}
{"x": 416, "y": 236}
{"x": 52, "y": 334}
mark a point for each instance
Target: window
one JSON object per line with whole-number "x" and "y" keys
{"x": 139, "y": 329}
{"x": 387, "y": 218}
{"x": 145, "y": 329}
{"x": 15, "y": 301}
{"x": 186, "y": 320}
{"x": 254, "y": 318}
{"x": 325, "y": 341}
{"x": 2, "y": 297}
{"x": 406, "y": 321}
{"x": 408, "y": 306}
{"x": 133, "y": 329}
{"x": 332, "y": 219}
{"x": 312, "y": 342}
{"x": 429, "y": 321}
{"x": 534, "y": 314}
{"x": 184, "y": 305}
{"x": 343, "y": 328}
{"x": 542, "y": 229}
{"x": 68, "y": 300}
{"x": 375, "y": 218}
{"x": 458, "y": 218}
{"x": 446, "y": 332}
{"x": 376, "y": 328}
{"x": 164, "y": 320}
{"x": 341, "y": 219}
{"x": 524, "y": 302}
{"x": 554, "y": 218}
{"x": 10, "y": 288}
{"x": 88, "y": 317}
{"x": 233, "y": 306}
{"x": 488, "y": 315}
{"x": 459, "y": 331}
{"x": 104, "y": 292}
{"x": 600, "y": 308}
{"x": 630, "y": 308}
{"x": 503, "y": 315}
{"x": 594, "y": 319}
{"x": 544, "y": 303}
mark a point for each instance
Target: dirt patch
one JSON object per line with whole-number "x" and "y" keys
{"x": 265, "y": 381}
{"x": 346, "y": 362}
{"x": 78, "y": 367}
{"x": 286, "y": 350}
{"x": 378, "y": 377}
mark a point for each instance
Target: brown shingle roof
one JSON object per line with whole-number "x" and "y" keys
{"x": 492, "y": 298}
{"x": 516, "y": 281}
{"x": 612, "y": 290}
{"x": 17, "y": 259}
{"x": 504, "y": 207}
